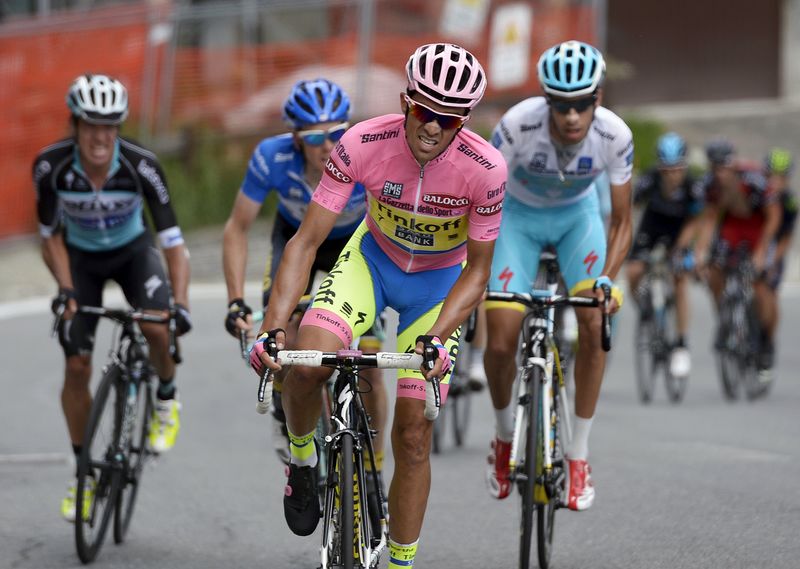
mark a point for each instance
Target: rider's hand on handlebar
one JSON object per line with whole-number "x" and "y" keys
{"x": 183, "y": 319}
{"x": 442, "y": 364}
{"x": 602, "y": 284}
{"x": 265, "y": 351}
{"x": 64, "y": 305}
{"x": 238, "y": 317}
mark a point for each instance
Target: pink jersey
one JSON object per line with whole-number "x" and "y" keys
{"x": 420, "y": 217}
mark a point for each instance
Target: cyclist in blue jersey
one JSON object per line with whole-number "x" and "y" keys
{"x": 291, "y": 165}
{"x": 556, "y": 146}
{"x": 91, "y": 190}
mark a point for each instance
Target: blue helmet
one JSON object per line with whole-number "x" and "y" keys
{"x": 720, "y": 151}
{"x": 571, "y": 69}
{"x": 671, "y": 150}
{"x": 313, "y": 102}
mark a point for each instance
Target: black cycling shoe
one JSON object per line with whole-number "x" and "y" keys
{"x": 301, "y": 500}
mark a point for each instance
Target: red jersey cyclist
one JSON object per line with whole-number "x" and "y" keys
{"x": 434, "y": 194}
{"x": 744, "y": 214}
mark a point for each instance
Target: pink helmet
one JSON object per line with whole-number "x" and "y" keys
{"x": 447, "y": 74}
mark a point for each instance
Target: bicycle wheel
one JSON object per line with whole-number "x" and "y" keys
{"x": 460, "y": 412}
{"x": 527, "y": 475}
{"x": 96, "y": 468}
{"x": 546, "y": 513}
{"x": 139, "y": 403}
{"x": 347, "y": 514}
{"x": 728, "y": 358}
{"x": 646, "y": 360}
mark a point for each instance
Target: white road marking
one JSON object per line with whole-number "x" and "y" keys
{"x": 36, "y": 458}
{"x": 113, "y": 297}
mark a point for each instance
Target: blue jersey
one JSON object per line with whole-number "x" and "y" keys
{"x": 278, "y": 165}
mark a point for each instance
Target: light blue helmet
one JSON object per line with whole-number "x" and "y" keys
{"x": 671, "y": 150}
{"x": 313, "y": 102}
{"x": 571, "y": 69}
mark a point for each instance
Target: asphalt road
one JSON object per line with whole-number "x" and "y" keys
{"x": 704, "y": 484}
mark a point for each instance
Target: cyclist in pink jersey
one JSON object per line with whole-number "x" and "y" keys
{"x": 434, "y": 193}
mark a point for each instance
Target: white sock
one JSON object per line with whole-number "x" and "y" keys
{"x": 505, "y": 423}
{"x": 579, "y": 447}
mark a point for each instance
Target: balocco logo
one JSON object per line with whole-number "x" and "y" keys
{"x": 443, "y": 200}
{"x": 335, "y": 173}
{"x": 489, "y": 209}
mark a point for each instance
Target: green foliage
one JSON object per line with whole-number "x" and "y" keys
{"x": 645, "y": 135}
{"x": 204, "y": 177}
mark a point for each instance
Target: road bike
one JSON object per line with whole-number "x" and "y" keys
{"x": 354, "y": 526}
{"x": 542, "y": 424}
{"x": 738, "y": 342}
{"x": 115, "y": 443}
{"x": 459, "y": 394}
{"x": 656, "y": 334}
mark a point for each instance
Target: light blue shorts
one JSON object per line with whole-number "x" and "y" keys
{"x": 575, "y": 230}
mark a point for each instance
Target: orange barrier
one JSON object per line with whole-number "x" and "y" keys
{"x": 38, "y": 62}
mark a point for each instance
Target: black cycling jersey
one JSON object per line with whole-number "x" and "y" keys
{"x": 107, "y": 218}
{"x": 789, "y": 207}
{"x": 686, "y": 201}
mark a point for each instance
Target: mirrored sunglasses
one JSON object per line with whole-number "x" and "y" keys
{"x": 425, "y": 115}
{"x": 317, "y": 137}
{"x": 580, "y": 105}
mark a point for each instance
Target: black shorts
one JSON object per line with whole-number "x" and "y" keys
{"x": 327, "y": 254}
{"x": 135, "y": 267}
{"x": 653, "y": 229}
{"x": 282, "y": 231}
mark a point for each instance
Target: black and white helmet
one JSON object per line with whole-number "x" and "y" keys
{"x": 98, "y": 99}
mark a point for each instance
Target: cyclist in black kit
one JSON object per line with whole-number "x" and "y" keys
{"x": 91, "y": 189}
{"x": 673, "y": 201}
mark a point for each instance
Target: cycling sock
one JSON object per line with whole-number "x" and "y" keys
{"x": 302, "y": 449}
{"x": 378, "y": 461}
{"x": 476, "y": 357}
{"x": 166, "y": 388}
{"x": 579, "y": 447}
{"x": 402, "y": 554}
{"x": 504, "y": 423}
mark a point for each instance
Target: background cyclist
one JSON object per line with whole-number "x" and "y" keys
{"x": 91, "y": 189}
{"x": 291, "y": 165}
{"x": 434, "y": 195}
{"x": 555, "y": 147}
{"x": 778, "y": 166}
{"x": 741, "y": 213}
{"x": 673, "y": 200}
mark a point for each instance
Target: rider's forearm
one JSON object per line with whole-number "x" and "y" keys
{"x": 782, "y": 247}
{"x": 462, "y": 299}
{"x": 290, "y": 284}
{"x": 234, "y": 259}
{"x": 771, "y": 225}
{"x": 620, "y": 236}
{"x": 55, "y": 256}
{"x": 179, "y": 271}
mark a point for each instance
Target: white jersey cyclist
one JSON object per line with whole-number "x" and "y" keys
{"x": 543, "y": 173}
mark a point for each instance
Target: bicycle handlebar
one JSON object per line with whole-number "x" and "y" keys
{"x": 545, "y": 299}
{"x": 125, "y": 316}
{"x": 381, "y": 360}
